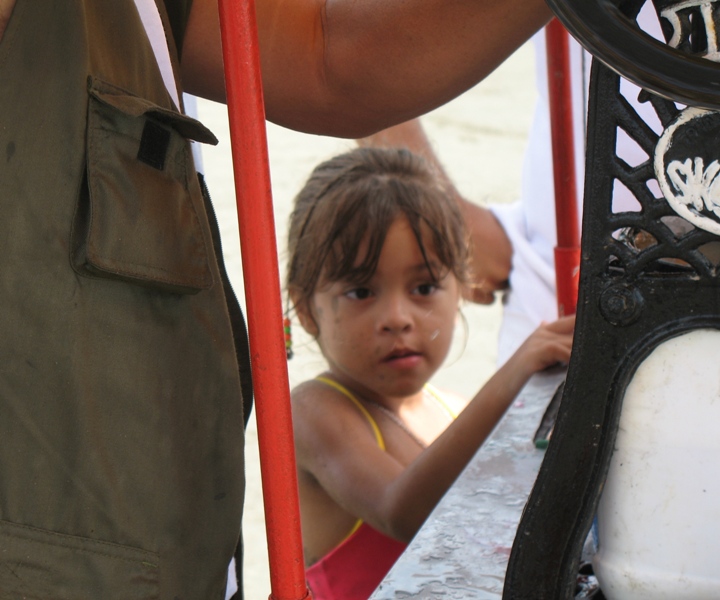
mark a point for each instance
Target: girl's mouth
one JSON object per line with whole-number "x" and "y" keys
{"x": 403, "y": 358}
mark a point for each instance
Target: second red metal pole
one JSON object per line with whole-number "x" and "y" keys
{"x": 567, "y": 251}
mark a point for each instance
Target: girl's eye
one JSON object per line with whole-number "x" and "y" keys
{"x": 358, "y": 293}
{"x": 425, "y": 289}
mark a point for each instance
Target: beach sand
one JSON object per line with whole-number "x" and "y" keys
{"x": 480, "y": 138}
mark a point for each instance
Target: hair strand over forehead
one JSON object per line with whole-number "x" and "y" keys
{"x": 353, "y": 199}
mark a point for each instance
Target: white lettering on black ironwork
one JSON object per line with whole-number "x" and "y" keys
{"x": 687, "y": 167}
{"x": 696, "y": 185}
{"x": 679, "y": 17}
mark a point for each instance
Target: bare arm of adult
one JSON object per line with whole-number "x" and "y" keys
{"x": 351, "y": 67}
{"x": 6, "y": 8}
{"x": 370, "y": 484}
{"x": 491, "y": 258}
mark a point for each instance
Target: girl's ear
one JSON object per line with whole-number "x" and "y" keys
{"x": 304, "y": 315}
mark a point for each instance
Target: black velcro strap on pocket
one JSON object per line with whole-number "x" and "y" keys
{"x": 154, "y": 145}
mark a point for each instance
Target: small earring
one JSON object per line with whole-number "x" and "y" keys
{"x": 287, "y": 327}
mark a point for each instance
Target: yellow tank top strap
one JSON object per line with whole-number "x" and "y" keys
{"x": 376, "y": 430}
{"x": 348, "y": 394}
{"x": 435, "y": 393}
{"x": 355, "y": 527}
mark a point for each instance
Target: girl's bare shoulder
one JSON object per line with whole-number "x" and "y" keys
{"x": 310, "y": 389}
{"x": 324, "y": 416}
{"x": 316, "y": 398}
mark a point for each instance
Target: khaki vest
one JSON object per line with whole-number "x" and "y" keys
{"x": 121, "y": 420}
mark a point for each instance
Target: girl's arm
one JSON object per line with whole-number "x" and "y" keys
{"x": 432, "y": 474}
{"x": 337, "y": 448}
{"x": 351, "y": 67}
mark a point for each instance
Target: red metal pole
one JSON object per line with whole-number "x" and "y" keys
{"x": 262, "y": 291}
{"x": 567, "y": 251}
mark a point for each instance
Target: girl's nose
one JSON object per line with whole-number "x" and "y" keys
{"x": 396, "y": 315}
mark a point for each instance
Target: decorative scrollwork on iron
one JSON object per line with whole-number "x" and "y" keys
{"x": 685, "y": 163}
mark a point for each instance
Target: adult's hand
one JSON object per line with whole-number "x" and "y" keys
{"x": 491, "y": 254}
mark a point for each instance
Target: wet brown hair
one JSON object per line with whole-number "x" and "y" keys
{"x": 358, "y": 195}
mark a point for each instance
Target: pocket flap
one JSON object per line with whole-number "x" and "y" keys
{"x": 134, "y": 106}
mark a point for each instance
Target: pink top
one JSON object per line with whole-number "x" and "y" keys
{"x": 354, "y": 569}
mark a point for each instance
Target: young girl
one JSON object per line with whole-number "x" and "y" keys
{"x": 377, "y": 259}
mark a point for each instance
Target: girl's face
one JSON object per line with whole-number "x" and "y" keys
{"x": 388, "y": 336}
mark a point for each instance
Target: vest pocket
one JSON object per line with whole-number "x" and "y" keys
{"x": 139, "y": 215}
{"x": 43, "y": 565}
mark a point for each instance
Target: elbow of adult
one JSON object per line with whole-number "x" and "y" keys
{"x": 340, "y": 120}
{"x": 332, "y": 93}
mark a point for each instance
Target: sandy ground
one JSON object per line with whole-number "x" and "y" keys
{"x": 480, "y": 139}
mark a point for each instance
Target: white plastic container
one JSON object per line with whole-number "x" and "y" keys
{"x": 658, "y": 522}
